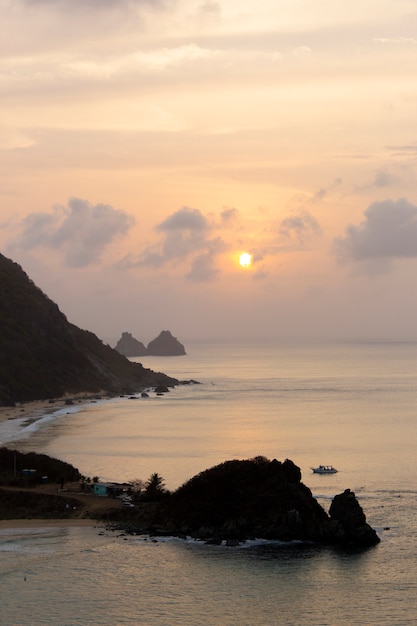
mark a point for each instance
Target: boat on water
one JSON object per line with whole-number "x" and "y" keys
{"x": 324, "y": 469}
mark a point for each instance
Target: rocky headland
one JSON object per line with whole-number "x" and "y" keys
{"x": 245, "y": 499}
{"x": 231, "y": 502}
{"x": 43, "y": 355}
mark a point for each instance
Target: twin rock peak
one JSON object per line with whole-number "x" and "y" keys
{"x": 163, "y": 345}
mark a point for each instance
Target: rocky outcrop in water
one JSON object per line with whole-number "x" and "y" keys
{"x": 352, "y": 525}
{"x": 165, "y": 345}
{"x": 129, "y": 346}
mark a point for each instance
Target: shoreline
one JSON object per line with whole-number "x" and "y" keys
{"x": 16, "y": 524}
{"x": 27, "y": 413}
{"x": 35, "y": 409}
{"x": 25, "y": 409}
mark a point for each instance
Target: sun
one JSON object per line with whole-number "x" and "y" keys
{"x": 245, "y": 259}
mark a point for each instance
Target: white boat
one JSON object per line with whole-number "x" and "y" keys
{"x": 324, "y": 469}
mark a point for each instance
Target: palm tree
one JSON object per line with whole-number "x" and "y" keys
{"x": 155, "y": 487}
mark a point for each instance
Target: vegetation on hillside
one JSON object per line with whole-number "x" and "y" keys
{"x": 242, "y": 498}
{"x": 13, "y": 463}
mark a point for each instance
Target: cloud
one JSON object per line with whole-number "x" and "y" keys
{"x": 81, "y": 231}
{"x": 210, "y": 10}
{"x": 323, "y": 192}
{"x": 204, "y": 265}
{"x": 383, "y": 178}
{"x": 301, "y": 226}
{"x": 203, "y": 268}
{"x": 301, "y": 201}
{"x": 184, "y": 219}
{"x": 260, "y": 275}
{"x": 396, "y": 40}
{"x": 185, "y": 238}
{"x": 389, "y": 231}
{"x": 301, "y": 50}
{"x": 93, "y": 5}
{"x": 229, "y": 216}
{"x": 40, "y": 36}
{"x": 198, "y": 61}
{"x": 404, "y": 150}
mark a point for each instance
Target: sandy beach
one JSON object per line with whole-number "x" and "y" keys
{"x": 35, "y": 410}
{"x": 38, "y": 408}
{"x": 49, "y": 523}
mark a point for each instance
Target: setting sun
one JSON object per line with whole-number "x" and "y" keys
{"x": 245, "y": 259}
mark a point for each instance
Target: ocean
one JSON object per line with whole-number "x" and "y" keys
{"x": 351, "y": 404}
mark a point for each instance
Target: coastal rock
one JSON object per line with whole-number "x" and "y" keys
{"x": 161, "y": 389}
{"x": 129, "y": 346}
{"x": 165, "y": 345}
{"x": 246, "y": 499}
{"x": 347, "y": 511}
{"x": 256, "y": 498}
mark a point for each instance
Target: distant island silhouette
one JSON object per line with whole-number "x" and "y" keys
{"x": 165, "y": 344}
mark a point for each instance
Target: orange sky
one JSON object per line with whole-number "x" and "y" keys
{"x": 145, "y": 144}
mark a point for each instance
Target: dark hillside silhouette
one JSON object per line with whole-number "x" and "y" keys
{"x": 247, "y": 499}
{"x": 13, "y": 463}
{"x": 43, "y": 355}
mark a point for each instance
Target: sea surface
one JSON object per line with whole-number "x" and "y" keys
{"x": 352, "y": 405}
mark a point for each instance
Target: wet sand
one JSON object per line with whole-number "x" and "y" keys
{"x": 37, "y": 409}
{"x": 28, "y": 409}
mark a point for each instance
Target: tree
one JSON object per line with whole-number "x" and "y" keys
{"x": 155, "y": 487}
{"x": 136, "y": 487}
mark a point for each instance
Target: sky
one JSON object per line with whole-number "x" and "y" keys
{"x": 146, "y": 144}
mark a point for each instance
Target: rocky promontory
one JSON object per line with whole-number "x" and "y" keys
{"x": 231, "y": 502}
{"x": 43, "y": 355}
{"x": 256, "y": 498}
